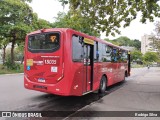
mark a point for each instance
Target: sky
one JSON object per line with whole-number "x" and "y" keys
{"x": 48, "y": 9}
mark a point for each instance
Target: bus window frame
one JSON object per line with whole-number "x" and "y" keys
{"x": 96, "y": 54}
{"x": 82, "y": 45}
{"x": 44, "y": 51}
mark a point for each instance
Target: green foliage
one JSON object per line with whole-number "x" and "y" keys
{"x": 26, "y": 0}
{"x": 41, "y": 23}
{"x": 4, "y": 70}
{"x": 137, "y": 65}
{"x": 19, "y": 52}
{"x": 150, "y": 57}
{"x": 15, "y": 21}
{"x": 108, "y": 16}
{"x": 156, "y": 38}
{"x": 125, "y": 41}
{"x": 136, "y": 55}
{"x": 112, "y": 41}
{"x": 10, "y": 66}
{"x": 76, "y": 22}
{"x": 136, "y": 43}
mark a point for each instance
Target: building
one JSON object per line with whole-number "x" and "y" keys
{"x": 146, "y": 44}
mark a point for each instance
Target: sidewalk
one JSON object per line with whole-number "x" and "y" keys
{"x": 141, "y": 92}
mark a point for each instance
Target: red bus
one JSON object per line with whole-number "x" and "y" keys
{"x": 66, "y": 62}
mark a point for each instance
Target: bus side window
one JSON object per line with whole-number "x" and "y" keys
{"x": 124, "y": 56}
{"x": 104, "y": 59}
{"x": 96, "y": 52}
{"x": 108, "y": 50}
{"x": 114, "y": 55}
{"x": 100, "y": 52}
{"x": 77, "y": 51}
{"x": 119, "y": 55}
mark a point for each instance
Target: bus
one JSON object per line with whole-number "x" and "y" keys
{"x": 66, "y": 62}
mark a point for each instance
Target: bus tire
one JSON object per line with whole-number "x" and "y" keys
{"x": 126, "y": 74}
{"x": 102, "y": 86}
{"x": 124, "y": 78}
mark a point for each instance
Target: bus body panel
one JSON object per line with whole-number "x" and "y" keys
{"x": 43, "y": 67}
{"x": 47, "y": 69}
{"x": 68, "y": 77}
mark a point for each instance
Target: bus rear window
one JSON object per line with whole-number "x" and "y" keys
{"x": 45, "y": 42}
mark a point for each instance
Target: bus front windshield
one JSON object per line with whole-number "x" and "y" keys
{"x": 44, "y": 42}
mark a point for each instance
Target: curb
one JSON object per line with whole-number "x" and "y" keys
{"x": 12, "y": 74}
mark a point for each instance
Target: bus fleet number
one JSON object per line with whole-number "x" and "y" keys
{"x": 50, "y": 62}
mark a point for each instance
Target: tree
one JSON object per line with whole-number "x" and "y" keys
{"x": 123, "y": 41}
{"x": 41, "y": 23}
{"x": 15, "y": 19}
{"x": 150, "y": 57}
{"x": 112, "y": 41}
{"x": 76, "y": 22}
{"x": 137, "y": 44}
{"x": 3, "y": 43}
{"x": 136, "y": 55}
{"x": 155, "y": 38}
{"x": 108, "y": 16}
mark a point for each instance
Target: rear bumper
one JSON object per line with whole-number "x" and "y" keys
{"x": 57, "y": 89}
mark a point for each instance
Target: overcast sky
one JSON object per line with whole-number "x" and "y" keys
{"x": 48, "y": 9}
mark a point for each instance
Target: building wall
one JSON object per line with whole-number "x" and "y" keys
{"x": 146, "y": 44}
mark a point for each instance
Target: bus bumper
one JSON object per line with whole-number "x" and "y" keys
{"x": 47, "y": 88}
{"x": 59, "y": 88}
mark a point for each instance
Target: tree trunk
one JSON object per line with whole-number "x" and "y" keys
{"x": 4, "y": 54}
{"x": 12, "y": 49}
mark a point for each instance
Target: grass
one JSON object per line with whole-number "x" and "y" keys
{"x": 137, "y": 66}
{"x": 4, "y": 70}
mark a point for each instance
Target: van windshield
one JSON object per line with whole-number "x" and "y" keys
{"x": 44, "y": 42}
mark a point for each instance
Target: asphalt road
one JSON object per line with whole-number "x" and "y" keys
{"x": 140, "y": 94}
{"x": 13, "y": 96}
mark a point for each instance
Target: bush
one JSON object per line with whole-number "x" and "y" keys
{"x": 11, "y": 66}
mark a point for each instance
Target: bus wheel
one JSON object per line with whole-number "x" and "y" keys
{"x": 102, "y": 86}
{"x": 124, "y": 76}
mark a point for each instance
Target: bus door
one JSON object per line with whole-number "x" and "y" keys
{"x": 87, "y": 68}
{"x": 129, "y": 63}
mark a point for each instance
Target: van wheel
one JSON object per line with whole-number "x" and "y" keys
{"x": 102, "y": 87}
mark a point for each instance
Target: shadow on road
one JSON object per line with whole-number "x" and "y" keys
{"x": 70, "y": 103}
